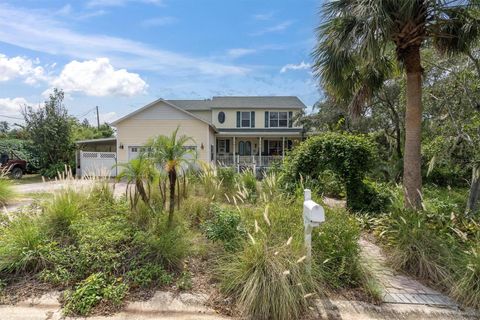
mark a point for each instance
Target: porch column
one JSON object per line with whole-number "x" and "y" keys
{"x": 283, "y": 148}
{"x": 234, "y": 153}
{"x": 260, "y": 151}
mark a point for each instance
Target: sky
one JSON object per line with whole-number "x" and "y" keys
{"x": 123, "y": 54}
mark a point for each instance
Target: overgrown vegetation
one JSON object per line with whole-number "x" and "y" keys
{"x": 6, "y": 189}
{"x": 89, "y": 242}
{"x": 438, "y": 244}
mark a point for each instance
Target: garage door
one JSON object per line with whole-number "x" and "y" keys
{"x": 98, "y": 164}
{"x": 133, "y": 152}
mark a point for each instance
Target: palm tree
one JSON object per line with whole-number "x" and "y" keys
{"x": 360, "y": 43}
{"x": 171, "y": 153}
{"x": 137, "y": 171}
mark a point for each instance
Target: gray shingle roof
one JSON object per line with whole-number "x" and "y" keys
{"x": 193, "y": 104}
{"x": 273, "y": 102}
{"x": 247, "y": 102}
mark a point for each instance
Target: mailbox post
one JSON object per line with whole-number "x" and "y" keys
{"x": 313, "y": 215}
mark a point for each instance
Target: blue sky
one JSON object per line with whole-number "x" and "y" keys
{"x": 123, "y": 54}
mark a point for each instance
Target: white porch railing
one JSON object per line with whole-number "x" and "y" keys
{"x": 237, "y": 160}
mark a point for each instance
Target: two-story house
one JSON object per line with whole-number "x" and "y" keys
{"x": 231, "y": 131}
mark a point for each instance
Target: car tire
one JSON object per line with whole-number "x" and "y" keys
{"x": 17, "y": 173}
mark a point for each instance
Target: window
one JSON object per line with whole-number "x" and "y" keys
{"x": 221, "y": 117}
{"x": 245, "y": 119}
{"x": 274, "y": 147}
{"x": 244, "y": 148}
{"x": 278, "y": 119}
{"x": 221, "y": 145}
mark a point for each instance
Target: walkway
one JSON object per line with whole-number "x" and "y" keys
{"x": 399, "y": 288}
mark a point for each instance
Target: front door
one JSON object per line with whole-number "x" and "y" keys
{"x": 245, "y": 148}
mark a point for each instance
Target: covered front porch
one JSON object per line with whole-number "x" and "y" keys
{"x": 252, "y": 152}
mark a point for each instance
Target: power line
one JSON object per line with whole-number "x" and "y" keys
{"x": 83, "y": 115}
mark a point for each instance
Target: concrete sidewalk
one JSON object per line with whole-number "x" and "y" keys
{"x": 190, "y": 306}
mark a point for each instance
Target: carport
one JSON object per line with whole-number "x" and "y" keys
{"x": 96, "y": 157}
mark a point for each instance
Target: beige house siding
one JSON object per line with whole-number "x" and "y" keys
{"x": 231, "y": 117}
{"x": 160, "y": 119}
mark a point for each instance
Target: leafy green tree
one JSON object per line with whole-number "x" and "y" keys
{"x": 354, "y": 57}
{"x": 50, "y": 129}
{"x": 170, "y": 153}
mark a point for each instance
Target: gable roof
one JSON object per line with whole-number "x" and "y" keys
{"x": 253, "y": 102}
{"x": 193, "y": 104}
{"x": 154, "y": 103}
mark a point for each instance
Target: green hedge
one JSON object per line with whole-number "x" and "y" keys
{"x": 348, "y": 156}
{"x": 24, "y": 149}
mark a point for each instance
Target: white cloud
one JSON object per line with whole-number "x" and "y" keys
{"x": 263, "y": 16}
{"x": 276, "y": 28}
{"x": 20, "y": 67}
{"x": 118, "y": 3}
{"x": 157, "y": 22}
{"x": 11, "y": 108}
{"x": 34, "y": 31}
{"x": 99, "y": 78}
{"x": 240, "y": 52}
{"x": 301, "y": 66}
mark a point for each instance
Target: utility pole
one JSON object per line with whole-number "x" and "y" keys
{"x": 98, "y": 119}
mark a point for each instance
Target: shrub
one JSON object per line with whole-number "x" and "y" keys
{"x": 226, "y": 227}
{"x": 336, "y": 251}
{"x": 467, "y": 283}
{"x": 227, "y": 176}
{"x": 24, "y": 149}
{"x": 370, "y": 197}
{"x": 267, "y": 277}
{"x": 162, "y": 245}
{"x": 184, "y": 282}
{"x": 54, "y": 169}
{"x": 22, "y": 246}
{"x": 348, "y": 156}
{"x": 415, "y": 246}
{"x": 196, "y": 209}
{"x": 62, "y": 211}
{"x": 266, "y": 281}
{"x": 247, "y": 185}
{"x": 102, "y": 243}
{"x": 91, "y": 291}
{"x": 148, "y": 275}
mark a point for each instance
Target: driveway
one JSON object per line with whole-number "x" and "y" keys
{"x": 26, "y": 191}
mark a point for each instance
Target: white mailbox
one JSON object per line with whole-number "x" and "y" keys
{"x": 313, "y": 215}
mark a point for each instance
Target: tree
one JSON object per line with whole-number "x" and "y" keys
{"x": 137, "y": 171}
{"x": 170, "y": 153}
{"x": 50, "y": 129}
{"x": 353, "y": 57}
{"x": 4, "y": 127}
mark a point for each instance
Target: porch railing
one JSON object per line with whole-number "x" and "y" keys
{"x": 237, "y": 160}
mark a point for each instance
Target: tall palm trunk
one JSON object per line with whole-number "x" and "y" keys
{"x": 474, "y": 194}
{"x": 172, "y": 175}
{"x": 412, "y": 176}
{"x": 141, "y": 190}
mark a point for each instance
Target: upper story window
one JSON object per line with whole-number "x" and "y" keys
{"x": 278, "y": 119}
{"x": 245, "y": 119}
{"x": 221, "y": 117}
